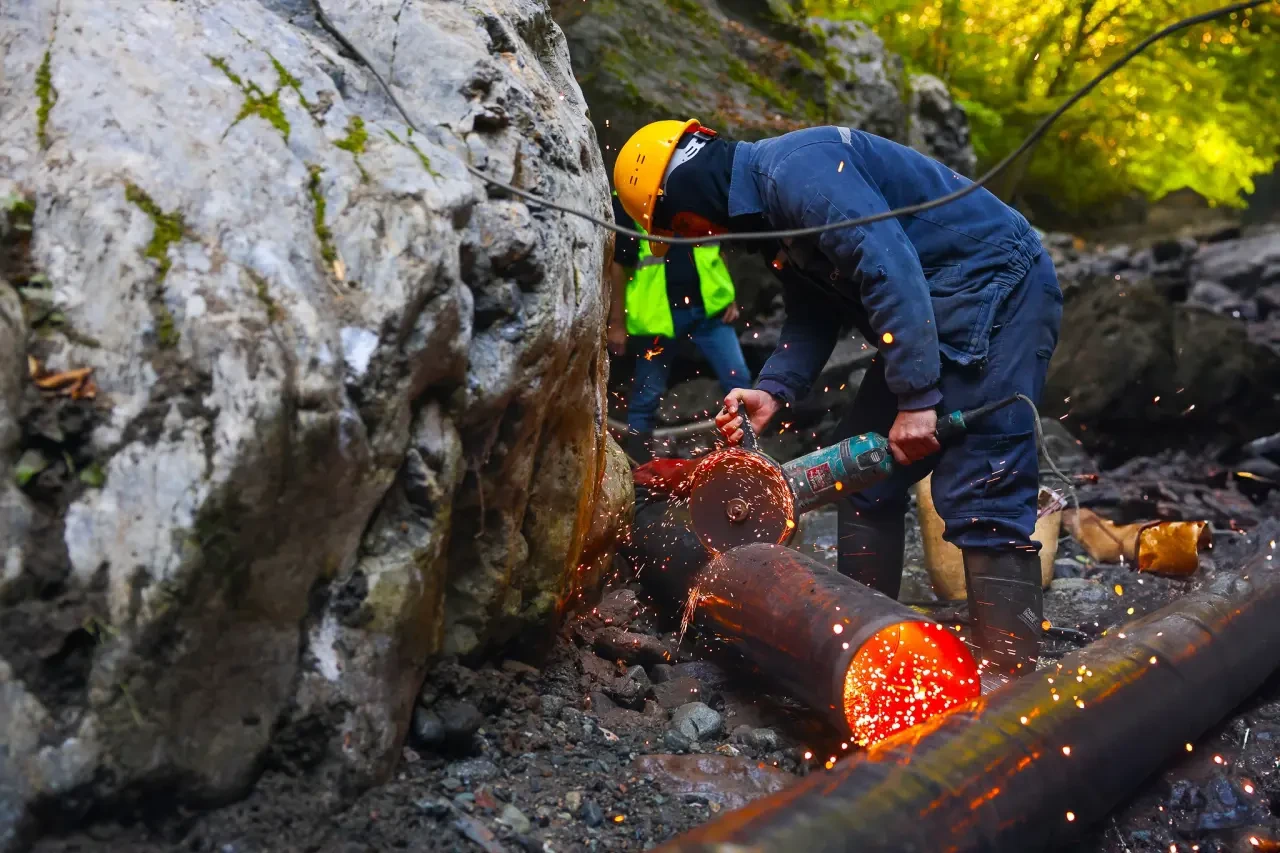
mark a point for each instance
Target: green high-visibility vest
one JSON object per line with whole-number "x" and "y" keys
{"x": 649, "y": 309}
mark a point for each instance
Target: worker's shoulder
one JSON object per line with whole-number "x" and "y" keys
{"x": 773, "y": 152}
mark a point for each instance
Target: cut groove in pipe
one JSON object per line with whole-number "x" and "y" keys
{"x": 868, "y": 664}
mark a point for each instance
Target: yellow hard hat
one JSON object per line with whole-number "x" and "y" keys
{"x": 640, "y": 167}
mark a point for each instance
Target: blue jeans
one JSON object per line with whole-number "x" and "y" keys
{"x": 719, "y": 344}
{"x": 985, "y": 484}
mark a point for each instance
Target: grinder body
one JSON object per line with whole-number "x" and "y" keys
{"x": 740, "y": 495}
{"x": 857, "y": 463}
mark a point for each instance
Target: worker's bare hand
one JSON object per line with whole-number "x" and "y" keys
{"x": 913, "y": 436}
{"x": 730, "y": 314}
{"x": 760, "y": 407}
{"x": 617, "y": 337}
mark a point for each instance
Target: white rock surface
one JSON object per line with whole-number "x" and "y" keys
{"x": 331, "y": 380}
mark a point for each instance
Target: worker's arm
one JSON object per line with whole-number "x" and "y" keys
{"x": 877, "y": 259}
{"x": 809, "y": 334}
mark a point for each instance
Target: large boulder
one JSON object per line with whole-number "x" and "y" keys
{"x": 349, "y": 408}
{"x": 1134, "y": 371}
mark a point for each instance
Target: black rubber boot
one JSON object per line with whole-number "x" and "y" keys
{"x": 640, "y": 447}
{"x": 1006, "y": 604}
{"x": 869, "y": 548}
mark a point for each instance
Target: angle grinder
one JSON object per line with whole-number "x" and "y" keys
{"x": 740, "y": 495}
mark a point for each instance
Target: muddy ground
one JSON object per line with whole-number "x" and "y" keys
{"x": 625, "y": 737}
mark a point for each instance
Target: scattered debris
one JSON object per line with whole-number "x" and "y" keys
{"x": 75, "y": 384}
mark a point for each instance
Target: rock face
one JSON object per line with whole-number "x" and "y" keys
{"x": 349, "y": 407}
{"x": 938, "y": 125}
{"x": 749, "y": 70}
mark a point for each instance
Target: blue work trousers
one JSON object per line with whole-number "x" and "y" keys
{"x": 986, "y": 483}
{"x": 719, "y": 345}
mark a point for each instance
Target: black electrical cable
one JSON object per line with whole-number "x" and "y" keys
{"x": 830, "y": 226}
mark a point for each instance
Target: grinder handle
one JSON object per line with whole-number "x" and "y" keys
{"x": 748, "y": 431}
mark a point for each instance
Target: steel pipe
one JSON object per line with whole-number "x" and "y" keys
{"x": 869, "y": 664}
{"x": 1028, "y": 766}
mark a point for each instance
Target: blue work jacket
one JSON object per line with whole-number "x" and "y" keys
{"x": 919, "y": 287}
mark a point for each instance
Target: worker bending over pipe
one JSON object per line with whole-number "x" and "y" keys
{"x": 962, "y": 302}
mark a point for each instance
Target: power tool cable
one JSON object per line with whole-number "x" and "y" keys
{"x": 909, "y": 210}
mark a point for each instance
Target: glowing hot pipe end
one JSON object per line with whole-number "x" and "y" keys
{"x": 903, "y": 675}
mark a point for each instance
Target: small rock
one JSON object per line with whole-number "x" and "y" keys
{"x": 678, "y": 691}
{"x": 434, "y": 808}
{"x": 661, "y": 673}
{"x": 520, "y": 670}
{"x": 573, "y": 801}
{"x": 618, "y": 607}
{"x": 697, "y": 721}
{"x": 1072, "y": 584}
{"x": 1211, "y": 293}
{"x": 551, "y": 705}
{"x": 592, "y": 814}
{"x": 530, "y": 844}
{"x": 616, "y": 644}
{"x": 461, "y": 721}
{"x": 449, "y": 783}
{"x": 1068, "y": 568}
{"x": 676, "y": 742}
{"x": 631, "y": 689}
{"x": 706, "y": 672}
{"x": 428, "y": 728}
{"x": 513, "y": 818}
{"x": 729, "y": 750}
{"x": 763, "y": 739}
{"x": 599, "y": 703}
{"x": 740, "y": 734}
{"x": 473, "y": 770}
{"x": 598, "y": 669}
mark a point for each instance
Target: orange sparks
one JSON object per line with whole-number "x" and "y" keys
{"x": 837, "y": 628}
{"x": 1071, "y": 816}
{"x": 650, "y": 354}
{"x": 1189, "y": 747}
{"x": 904, "y": 675}
{"x": 1066, "y": 750}
{"x": 887, "y": 337}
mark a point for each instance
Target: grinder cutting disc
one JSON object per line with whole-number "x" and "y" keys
{"x": 740, "y": 497}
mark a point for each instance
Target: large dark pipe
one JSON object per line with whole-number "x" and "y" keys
{"x": 1028, "y": 766}
{"x": 869, "y": 664}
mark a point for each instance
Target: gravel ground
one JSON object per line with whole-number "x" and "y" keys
{"x": 624, "y": 738}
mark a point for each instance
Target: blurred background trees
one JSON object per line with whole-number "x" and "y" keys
{"x": 1198, "y": 110}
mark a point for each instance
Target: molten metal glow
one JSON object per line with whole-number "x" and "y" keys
{"x": 904, "y": 675}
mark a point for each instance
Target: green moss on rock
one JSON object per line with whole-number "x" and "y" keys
{"x": 263, "y": 293}
{"x": 287, "y": 79}
{"x": 47, "y": 95}
{"x": 356, "y": 138}
{"x": 426, "y": 161}
{"x": 168, "y": 228}
{"x": 355, "y": 142}
{"x": 256, "y": 101}
{"x": 323, "y": 234}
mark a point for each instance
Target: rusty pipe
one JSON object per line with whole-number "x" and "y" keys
{"x": 870, "y": 665}
{"x": 1020, "y": 770}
